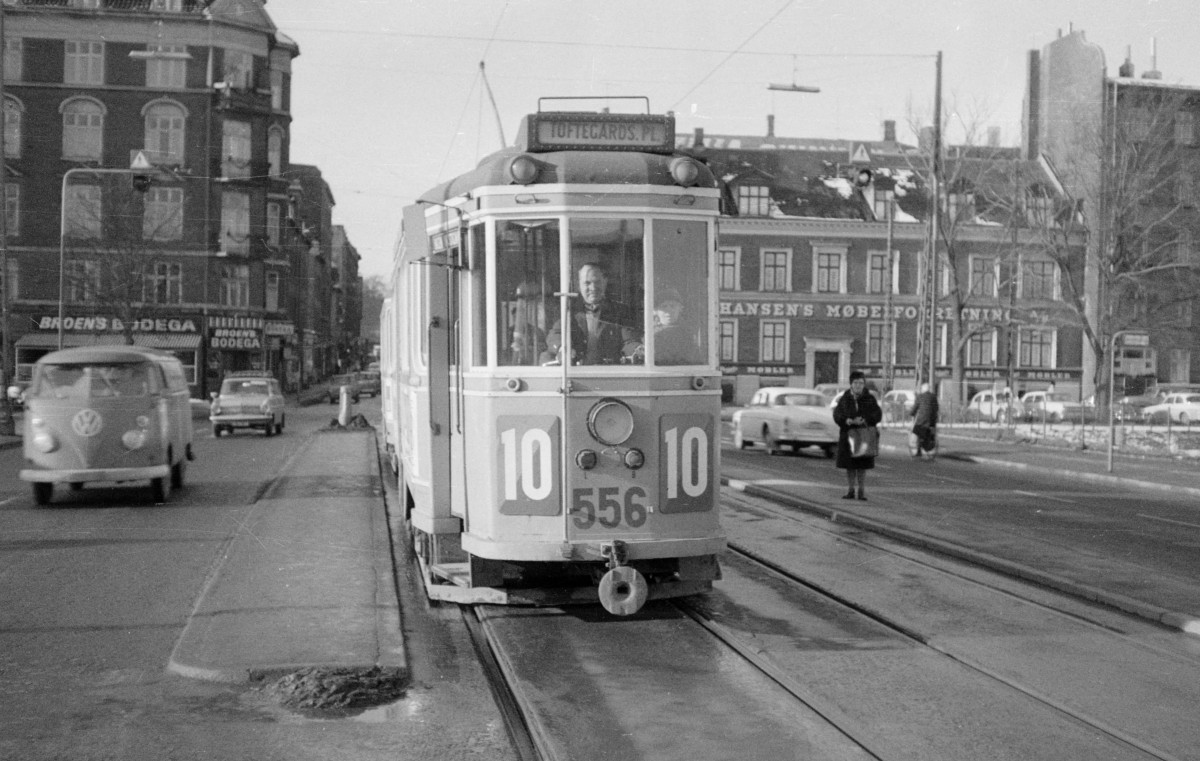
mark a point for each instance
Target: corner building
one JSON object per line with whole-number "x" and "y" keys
{"x": 199, "y": 260}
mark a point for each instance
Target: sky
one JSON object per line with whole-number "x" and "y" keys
{"x": 388, "y": 97}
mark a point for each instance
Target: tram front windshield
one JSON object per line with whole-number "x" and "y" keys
{"x": 610, "y": 321}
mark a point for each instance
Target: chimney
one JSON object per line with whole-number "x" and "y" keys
{"x": 770, "y": 125}
{"x": 993, "y": 137}
{"x": 889, "y": 131}
{"x": 1153, "y": 73}
{"x": 698, "y": 140}
{"x": 1126, "y": 69}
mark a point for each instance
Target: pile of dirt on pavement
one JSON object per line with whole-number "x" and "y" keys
{"x": 338, "y": 690}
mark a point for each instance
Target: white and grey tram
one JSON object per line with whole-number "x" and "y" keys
{"x": 550, "y": 342}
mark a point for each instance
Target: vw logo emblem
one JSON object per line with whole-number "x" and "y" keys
{"x": 87, "y": 422}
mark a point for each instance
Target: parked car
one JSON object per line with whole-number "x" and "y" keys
{"x": 369, "y": 382}
{"x": 897, "y": 404}
{"x": 993, "y": 405}
{"x": 1179, "y": 408}
{"x": 1131, "y": 409}
{"x": 1054, "y": 407}
{"x": 334, "y": 387}
{"x": 783, "y": 416}
{"x": 247, "y": 400}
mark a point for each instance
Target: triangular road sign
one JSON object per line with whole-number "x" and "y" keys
{"x": 140, "y": 161}
{"x": 859, "y": 154}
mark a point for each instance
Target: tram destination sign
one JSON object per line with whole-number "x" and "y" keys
{"x": 574, "y": 131}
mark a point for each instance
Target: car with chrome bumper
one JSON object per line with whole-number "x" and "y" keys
{"x": 248, "y": 401}
{"x": 786, "y": 417}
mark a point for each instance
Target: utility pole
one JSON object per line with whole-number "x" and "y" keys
{"x": 7, "y": 426}
{"x": 935, "y": 186}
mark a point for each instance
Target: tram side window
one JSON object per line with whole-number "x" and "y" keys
{"x": 608, "y": 319}
{"x": 477, "y": 277}
{"x": 681, "y": 260}
{"x": 527, "y": 273}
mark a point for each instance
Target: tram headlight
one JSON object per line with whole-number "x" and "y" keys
{"x": 586, "y": 459}
{"x": 684, "y": 171}
{"x": 523, "y": 169}
{"x": 610, "y": 422}
{"x": 634, "y": 459}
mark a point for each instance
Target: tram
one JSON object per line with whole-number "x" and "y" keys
{"x": 552, "y": 340}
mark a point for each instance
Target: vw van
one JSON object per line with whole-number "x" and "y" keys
{"x": 107, "y": 413}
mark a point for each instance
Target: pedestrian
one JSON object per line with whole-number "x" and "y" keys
{"x": 855, "y": 409}
{"x": 925, "y": 420}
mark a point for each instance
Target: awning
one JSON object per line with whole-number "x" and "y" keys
{"x": 167, "y": 341}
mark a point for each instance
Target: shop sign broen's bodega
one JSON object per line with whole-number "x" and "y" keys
{"x": 237, "y": 333}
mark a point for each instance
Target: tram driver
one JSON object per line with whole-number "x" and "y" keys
{"x": 603, "y": 331}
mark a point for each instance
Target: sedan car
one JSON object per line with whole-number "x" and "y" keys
{"x": 369, "y": 381}
{"x": 1179, "y": 408}
{"x": 334, "y": 387}
{"x": 1054, "y": 407}
{"x": 247, "y": 400}
{"x": 786, "y": 417}
{"x": 993, "y": 405}
{"x": 897, "y": 405}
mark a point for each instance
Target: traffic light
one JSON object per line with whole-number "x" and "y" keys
{"x": 142, "y": 182}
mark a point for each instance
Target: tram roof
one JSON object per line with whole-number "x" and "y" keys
{"x": 572, "y": 167}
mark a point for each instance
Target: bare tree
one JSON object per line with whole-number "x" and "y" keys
{"x": 115, "y": 261}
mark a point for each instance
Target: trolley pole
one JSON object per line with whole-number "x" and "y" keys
{"x": 7, "y": 425}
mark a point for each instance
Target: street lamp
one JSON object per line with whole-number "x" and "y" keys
{"x": 139, "y": 167}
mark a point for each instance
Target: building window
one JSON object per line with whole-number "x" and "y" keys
{"x": 85, "y": 3}
{"x": 235, "y": 223}
{"x": 728, "y": 330}
{"x": 883, "y": 204}
{"x": 776, "y": 270}
{"x": 84, "y": 63}
{"x": 82, "y": 215}
{"x": 235, "y": 285}
{"x": 829, "y": 276}
{"x": 166, "y": 68}
{"x": 981, "y": 349}
{"x": 1185, "y": 186}
{"x": 729, "y": 268}
{"x": 754, "y": 201}
{"x": 879, "y": 276}
{"x": 1037, "y": 348}
{"x": 13, "y": 116}
{"x": 272, "y": 300}
{"x": 14, "y": 49}
{"x": 773, "y": 341}
{"x": 239, "y": 67}
{"x": 83, "y": 130}
{"x": 984, "y": 276}
{"x": 167, "y": 5}
{"x": 273, "y": 225}
{"x": 1039, "y": 208}
{"x": 165, "y": 124}
{"x": 12, "y": 279}
{"x": 235, "y": 153}
{"x": 275, "y": 151}
{"x": 1185, "y": 128}
{"x": 164, "y": 284}
{"x": 163, "y": 219}
{"x": 881, "y": 342}
{"x": 1179, "y": 366}
{"x": 1039, "y": 280}
{"x": 12, "y": 209}
{"x": 83, "y": 280}
{"x": 276, "y": 90}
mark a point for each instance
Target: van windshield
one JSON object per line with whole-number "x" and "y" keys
{"x": 84, "y": 381}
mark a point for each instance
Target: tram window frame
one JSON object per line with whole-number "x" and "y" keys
{"x": 676, "y": 276}
{"x": 476, "y": 281}
{"x": 626, "y": 270}
{"x": 525, "y": 296}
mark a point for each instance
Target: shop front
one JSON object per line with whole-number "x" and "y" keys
{"x": 235, "y": 343}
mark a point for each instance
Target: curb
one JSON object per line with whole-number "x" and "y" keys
{"x": 1183, "y": 622}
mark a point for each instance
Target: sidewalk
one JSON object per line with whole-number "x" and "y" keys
{"x": 307, "y": 582}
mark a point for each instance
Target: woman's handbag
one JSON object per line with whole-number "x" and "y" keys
{"x": 864, "y": 442}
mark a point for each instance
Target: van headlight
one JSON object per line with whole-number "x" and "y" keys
{"x": 42, "y": 437}
{"x": 134, "y": 438}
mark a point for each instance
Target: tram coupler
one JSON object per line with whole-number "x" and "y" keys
{"x": 623, "y": 589}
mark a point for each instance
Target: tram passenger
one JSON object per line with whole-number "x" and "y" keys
{"x": 603, "y": 331}
{"x": 674, "y": 343}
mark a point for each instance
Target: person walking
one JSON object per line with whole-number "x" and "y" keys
{"x": 925, "y": 420}
{"x": 855, "y": 409}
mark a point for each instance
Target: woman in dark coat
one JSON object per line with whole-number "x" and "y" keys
{"x": 856, "y": 408}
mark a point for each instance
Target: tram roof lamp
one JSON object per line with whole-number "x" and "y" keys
{"x": 523, "y": 170}
{"x": 684, "y": 171}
